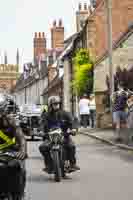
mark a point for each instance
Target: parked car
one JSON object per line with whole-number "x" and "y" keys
{"x": 30, "y": 120}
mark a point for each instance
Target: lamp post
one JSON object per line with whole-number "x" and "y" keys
{"x": 108, "y": 4}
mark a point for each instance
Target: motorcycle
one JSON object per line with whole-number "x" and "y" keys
{"x": 60, "y": 161}
{"x": 12, "y": 177}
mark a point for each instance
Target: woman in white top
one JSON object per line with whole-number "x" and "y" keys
{"x": 84, "y": 110}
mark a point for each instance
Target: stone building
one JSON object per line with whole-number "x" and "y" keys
{"x": 122, "y": 16}
{"x": 123, "y": 58}
{"x": 9, "y": 73}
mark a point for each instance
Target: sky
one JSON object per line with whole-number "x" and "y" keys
{"x": 19, "y": 19}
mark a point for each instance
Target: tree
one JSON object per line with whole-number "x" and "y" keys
{"x": 83, "y": 72}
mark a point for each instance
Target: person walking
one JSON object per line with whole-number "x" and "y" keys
{"x": 92, "y": 106}
{"x": 119, "y": 111}
{"x": 84, "y": 110}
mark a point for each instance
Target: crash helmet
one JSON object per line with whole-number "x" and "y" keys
{"x": 54, "y": 102}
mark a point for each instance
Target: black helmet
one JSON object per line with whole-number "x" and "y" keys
{"x": 53, "y": 100}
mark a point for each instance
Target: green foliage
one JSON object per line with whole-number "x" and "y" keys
{"x": 83, "y": 72}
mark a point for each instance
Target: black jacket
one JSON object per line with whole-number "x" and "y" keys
{"x": 60, "y": 118}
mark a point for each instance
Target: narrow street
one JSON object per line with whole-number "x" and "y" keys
{"x": 106, "y": 174}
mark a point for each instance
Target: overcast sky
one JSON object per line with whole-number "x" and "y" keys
{"x": 19, "y": 19}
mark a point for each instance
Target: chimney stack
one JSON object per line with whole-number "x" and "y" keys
{"x": 81, "y": 15}
{"x": 39, "y": 46}
{"x": 57, "y": 35}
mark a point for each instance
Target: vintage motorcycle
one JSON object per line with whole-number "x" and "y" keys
{"x": 12, "y": 177}
{"x": 60, "y": 159}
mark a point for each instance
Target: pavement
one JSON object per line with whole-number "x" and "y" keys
{"x": 105, "y": 135}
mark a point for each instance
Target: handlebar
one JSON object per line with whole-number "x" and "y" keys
{"x": 8, "y": 154}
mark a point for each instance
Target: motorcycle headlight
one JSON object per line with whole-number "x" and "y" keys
{"x": 56, "y": 138}
{"x": 24, "y": 119}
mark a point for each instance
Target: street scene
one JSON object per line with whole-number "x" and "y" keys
{"x": 106, "y": 173}
{"x": 66, "y": 100}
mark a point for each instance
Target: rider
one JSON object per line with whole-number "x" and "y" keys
{"x": 54, "y": 116}
{"x": 11, "y": 136}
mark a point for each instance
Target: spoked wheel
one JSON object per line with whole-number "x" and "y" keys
{"x": 17, "y": 197}
{"x": 11, "y": 197}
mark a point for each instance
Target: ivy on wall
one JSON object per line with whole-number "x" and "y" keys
{"x": 83, "y": 72}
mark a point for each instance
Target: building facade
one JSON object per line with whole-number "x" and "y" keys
{"x": 32, "y": 86}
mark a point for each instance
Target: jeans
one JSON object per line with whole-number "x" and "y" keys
{"x": 84, "y": 120}
{"x": 92, "y": 118}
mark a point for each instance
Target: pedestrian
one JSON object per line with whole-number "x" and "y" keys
{"x": 119, "y": 111}
{"x": 84, "y": 110}
{"x": 130, "y": 111}
{"x": 92, "y": 106}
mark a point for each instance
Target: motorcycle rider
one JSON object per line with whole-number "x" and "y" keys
{"x": 11, "y": 136}
{"x": 51, "y": 118}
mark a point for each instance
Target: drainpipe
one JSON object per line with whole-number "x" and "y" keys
{"x": 108, "y": 4}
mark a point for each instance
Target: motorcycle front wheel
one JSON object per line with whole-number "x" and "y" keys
{"x": 12, "y": 197}
{"x": 57, "y": 166}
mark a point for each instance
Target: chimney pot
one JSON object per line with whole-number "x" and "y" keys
{"x": 35, "y": 34}
{"x": 60, "y": 23}
{"x": 80, "y": 6}
{"x": 39, "y": 34}
{"x": 54, "y": 23}
{"x": 43, "y": 34}
{"x": 85, "y": 6}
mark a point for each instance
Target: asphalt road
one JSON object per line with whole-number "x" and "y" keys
{"x": 106, "y": 174}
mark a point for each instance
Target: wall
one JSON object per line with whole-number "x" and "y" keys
{"x": 122, "y": 16}
{"x": 67, "y": 86}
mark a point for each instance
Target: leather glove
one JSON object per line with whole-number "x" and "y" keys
{"x": 21, "y": 155}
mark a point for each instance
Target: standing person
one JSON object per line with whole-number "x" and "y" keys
{"x": 92, "y": 106}
{"x": 119, "y": 111}
{"x": 130, "y": 111}
{"x": 84, "y": 110}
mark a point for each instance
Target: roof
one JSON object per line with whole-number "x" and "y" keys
{"x": 70, "y": 38}
{"x": 56, "y": 81}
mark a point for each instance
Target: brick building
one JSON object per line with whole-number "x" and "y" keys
{"x": 122, "y": 16}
